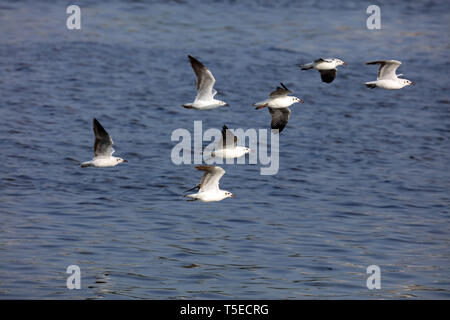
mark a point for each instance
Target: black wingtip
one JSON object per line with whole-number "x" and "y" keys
{"x": 193, "y": 59}
{"x": 283, "y": 86}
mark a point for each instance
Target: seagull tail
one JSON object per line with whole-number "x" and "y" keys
{"x": 187, "y": 106}
{"x": 370, "y": 84}
{"x": 306, "y": 66}
{"x": 260, "y": 105}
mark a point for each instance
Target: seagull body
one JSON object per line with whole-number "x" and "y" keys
{"x": 227, "y": 147}
{"x": 208, "y": 189}
{"x": 326, "y": 67}
{"x": 102, "y": 149}
{"x": 387, "y": 78}
{"x": 205, "y": 92}
{"x": 278, "y": 104}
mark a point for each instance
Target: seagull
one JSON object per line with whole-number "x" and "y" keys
{"x": 208, "y": 189}
{"x": 387, "y": 79}
{"x": 102, "y": 149}
{"x": 326, "y": 67}
{"x": 205, "y": 92}
{"x": 278, "y": 103}
{"x": 227, "y": 147}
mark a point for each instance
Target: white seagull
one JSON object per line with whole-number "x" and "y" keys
{"x": 205, "y": 92}
{"x": 102, "y": 149}
{"x": 278, "y": 104}
{"x": 227, "y": 147}
{"x": 208, "y": 189}
{"x": 387, "y": 79}
{"x": 326, "y": 67}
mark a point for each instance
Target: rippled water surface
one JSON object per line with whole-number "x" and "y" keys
{"x": 364, "y": 174}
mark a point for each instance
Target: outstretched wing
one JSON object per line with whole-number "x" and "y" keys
{"x": 103, "y": 142}
{"x": 280, "y": 118}
{"x": 205, "y": 80}
{"x": 279, "y": 92}
{"x": 328, "y": 75}
{"x": 229, "y": 140}
{"x": 211, "y": 177}
{"x": 387, "y": 68}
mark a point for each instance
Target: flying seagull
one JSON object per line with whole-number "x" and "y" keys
{"x": 278, "y": 104}
{"x": 326, "y": 67}
{"x": 102, "y": 149}
{"x": 387, "y": 79}
{"x": 205, "y": 92}
{"x": 208, "y": 189}
{"x": 227, "y": 147}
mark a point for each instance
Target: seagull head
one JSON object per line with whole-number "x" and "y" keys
{"x": 297, "y": 100}
{"x": 339, "y": 62}
{"x": 408, "y": 83}
{"x": 120, "y": 160}
{"x": 229, "y": 195}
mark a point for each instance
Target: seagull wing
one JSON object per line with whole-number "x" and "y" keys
{"x": 205, "y": 80}
{"x": 228, "y": 141}
{"x": 280, "y": 118}
{"x": 103, "y": 142}
{"x": 387, "y": 68}
{"x": 328, "y": 75}
{"x": 279, "y": 92}
{"x": 211, "y": 177}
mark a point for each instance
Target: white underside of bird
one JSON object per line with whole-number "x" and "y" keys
{"x": 209, "y": 196}
{"x": 209, "y": 190}
{"x": 103, "y": 149}
{"x": 102, "y": 162}
{"x": 205, "y": 91}
{"x": 388, "y": 84}
{"x": 277, "y": 103}
{"x": 205, "y": 104}
{"x": 230, "y": 153}
{"x": 227, "y": 147}
{"x": 387, "y": 78}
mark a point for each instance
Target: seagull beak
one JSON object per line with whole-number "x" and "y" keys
{"x": 413, "y": 83}
{"x": 301, "y": 101}
{"x": 233, "y": 195}
{"x": 344, "y": 63}
{"x": 125, "y": 160}
{"x": 226, "y": 105}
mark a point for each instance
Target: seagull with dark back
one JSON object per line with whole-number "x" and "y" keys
{"x": 326, "y": 67}
{"x": 278, "y": 104}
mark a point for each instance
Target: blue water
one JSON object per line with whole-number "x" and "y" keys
{"x": 364, "y": 174}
